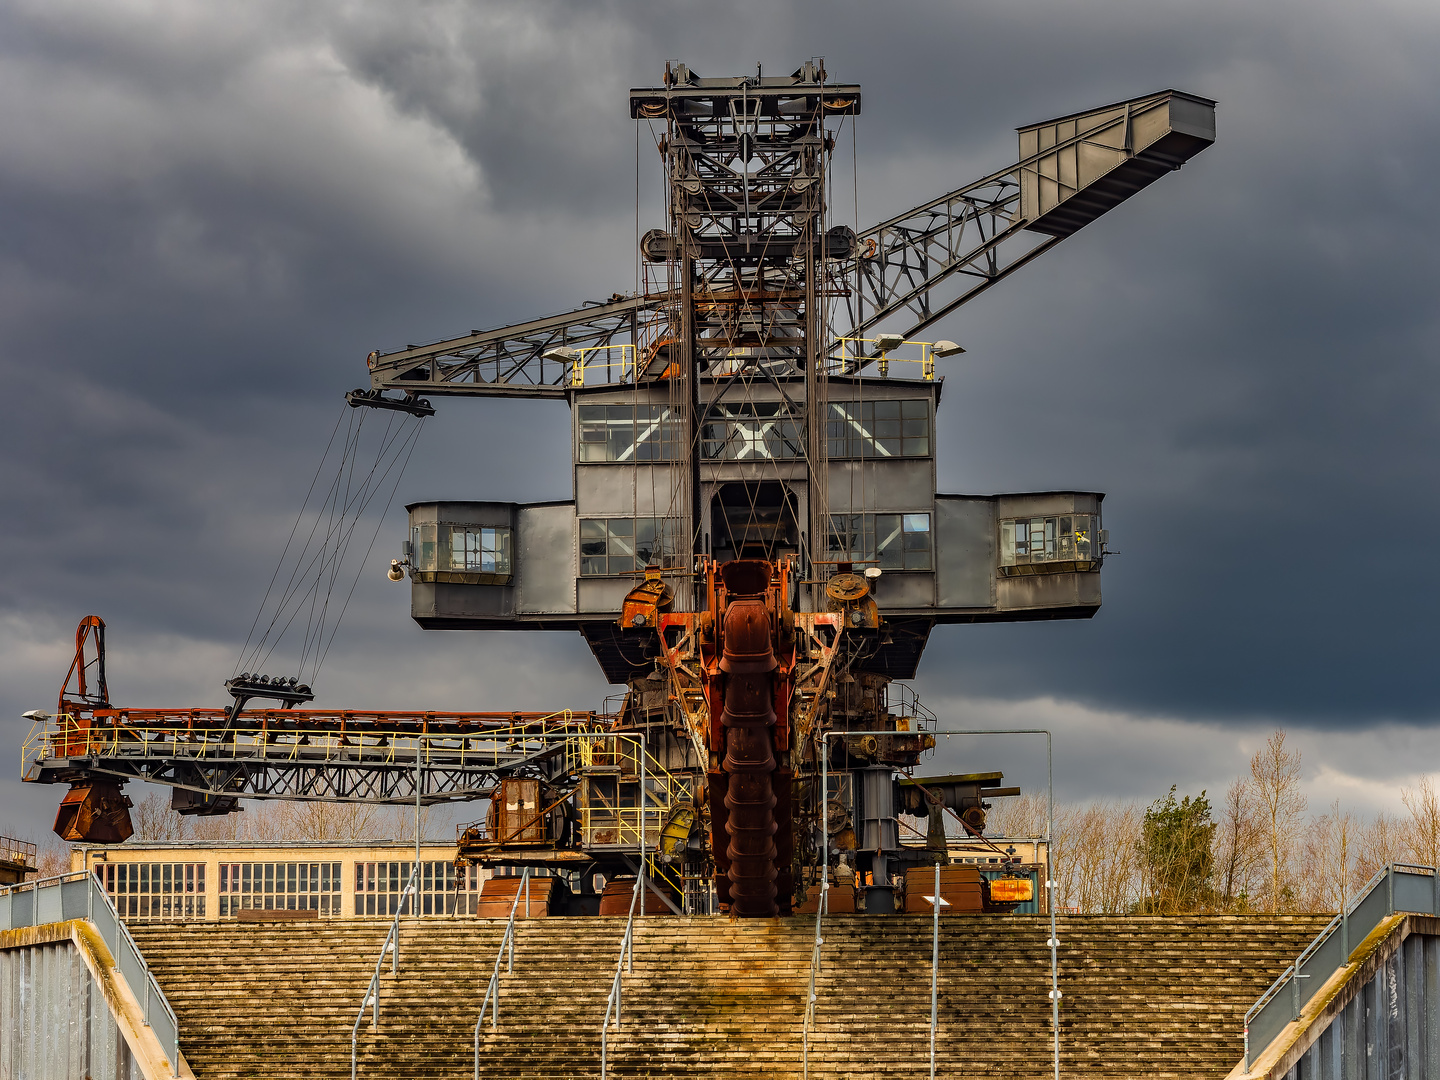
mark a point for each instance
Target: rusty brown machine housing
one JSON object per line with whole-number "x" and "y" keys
{"x": 95, "y": 809}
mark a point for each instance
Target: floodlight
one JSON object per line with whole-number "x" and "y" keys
{"x": 945, "y": 348}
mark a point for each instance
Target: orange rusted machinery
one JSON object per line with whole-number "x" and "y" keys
{"x": 745, "y": 791}
{"x": 94, "y": 809}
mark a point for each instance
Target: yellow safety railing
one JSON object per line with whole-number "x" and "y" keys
{"x": 853, "y": 353}
{"x": 602, "y": 358}
{"x": 66, "y": 736}
{"x": 620, "y": 822}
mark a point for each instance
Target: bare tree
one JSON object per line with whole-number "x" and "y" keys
{"x": 1381, "y": 843}
{"x": 1238, "y": 847}
{"x": 1275, "y": 776}
{"x": 334, "y": 821}
{"x": 1329, "y": 874}
{"x": 1421, "y": 832}
{"x": 52, "y": 857}
{"x": 155, "y": 822}
{"x": 1017, "y": 815}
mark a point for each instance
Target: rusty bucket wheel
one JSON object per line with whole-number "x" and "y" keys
{"x": 748, "y": 663}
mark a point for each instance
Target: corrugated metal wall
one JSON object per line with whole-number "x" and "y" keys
{"x": 1391, "y": 1029}
{"x": 54, "y": 1021}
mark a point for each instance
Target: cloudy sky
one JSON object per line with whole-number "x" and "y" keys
{"x": 210, "y": 213}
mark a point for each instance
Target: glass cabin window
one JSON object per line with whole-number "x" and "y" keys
{"x": 890, "y": 541}
{"x": 480, "y": 548}
{"x": 752, "y": 431}
{"x": 625, "y": 545}
{"x": 872, "y": 429}
{"x": 1062, "y": 538}
{"x": 422, "y": 547}
{"x": 627, "y": 433}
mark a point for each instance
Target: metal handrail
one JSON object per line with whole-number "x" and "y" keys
{"x": 391, "y": 946}
{"x": 820, "y": 908}
{"x": 1052, "y": 943}
{"x": 507, "y": 941}
{"x": 153, "y": 1003}
{"x": 625, "y": 963}
{"x": 1294, "y": 971}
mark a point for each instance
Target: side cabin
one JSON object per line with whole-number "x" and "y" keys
{"x": 943, "y": 558}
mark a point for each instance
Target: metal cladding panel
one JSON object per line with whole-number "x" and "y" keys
{"x": 1045, "y": 503}
{"x": 55, "y": 1023}
{"x": 603, "y": 596}
{"x": 1078, "y": 167}
{"x": 902, "y": 484}
{"x": 443, "y": 600}
{"x": 1389, "y": 1028}
{"x": 1048, "y": 591}
{"x": 545, "y": 560}
{"x": 905, "y": 589}
{"x": 964, "y": 552}
{"x": 498, "y": 514}
{"x": 627, "y": 490}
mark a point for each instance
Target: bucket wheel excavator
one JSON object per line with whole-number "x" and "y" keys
{"x": 755, "y": 547}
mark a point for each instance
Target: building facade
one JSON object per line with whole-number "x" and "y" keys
{"x": 208, "y": 881}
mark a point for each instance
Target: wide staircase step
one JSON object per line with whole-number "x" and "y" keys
{"x": 1152, "y": 996}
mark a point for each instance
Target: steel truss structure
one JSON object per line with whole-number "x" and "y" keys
{"x": 904, "y": 273}
{"x": 310, "y": 754}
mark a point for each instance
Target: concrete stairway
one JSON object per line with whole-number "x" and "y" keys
{"x": 710, "y": 997}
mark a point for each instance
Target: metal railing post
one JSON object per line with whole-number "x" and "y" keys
{"x": 492, "y": 991}
{"x": 934, "y": 968}
{"x": 372, "y": 993}
{"x": 120, "y": 942}
{"x": 824, "y": 901}
{"x": 627, "y": 950}
{"x": 1050, "y": 887}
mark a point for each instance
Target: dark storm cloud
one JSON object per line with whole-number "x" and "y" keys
{"x": 210, "y": 214}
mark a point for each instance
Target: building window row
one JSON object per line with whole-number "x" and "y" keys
{"x": 1060, "y": 539}
{"x": 481, "y": 549}
{"x": 280, "y": 887}
{"x": 169, "y": 891}
{"x": 753, "y": 431}
{"x": 625, "y": 545}
{"x": 878, "y": 429}
{"x": 444, "y": 890}
{"x": 628, "y": 433}
{"x": 889, "y": 541}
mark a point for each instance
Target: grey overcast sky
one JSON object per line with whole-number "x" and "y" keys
{"x": 210, "y": 213}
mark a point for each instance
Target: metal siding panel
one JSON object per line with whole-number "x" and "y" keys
{"x": 1352, "y": 1035}
{"x": 545, "y": 560}
{"x": 904, "y": 484}
{"x": 1325, "y": 960}
{"x": 604, "y": 595}
{"x": 74, "y": 897}
{"x": 1414, "y": 892}
{"x": 905, "y": 590}
{"x": 1374, "y": 1031}
{"x": 617, "y": 490}
{"x": 964, "y": 552}
{"x": 1392, "y": 1000}
{"x": 1431, "y": 992}
{"x": 48, "y": 908}
{"x": 1414, "y": 984}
